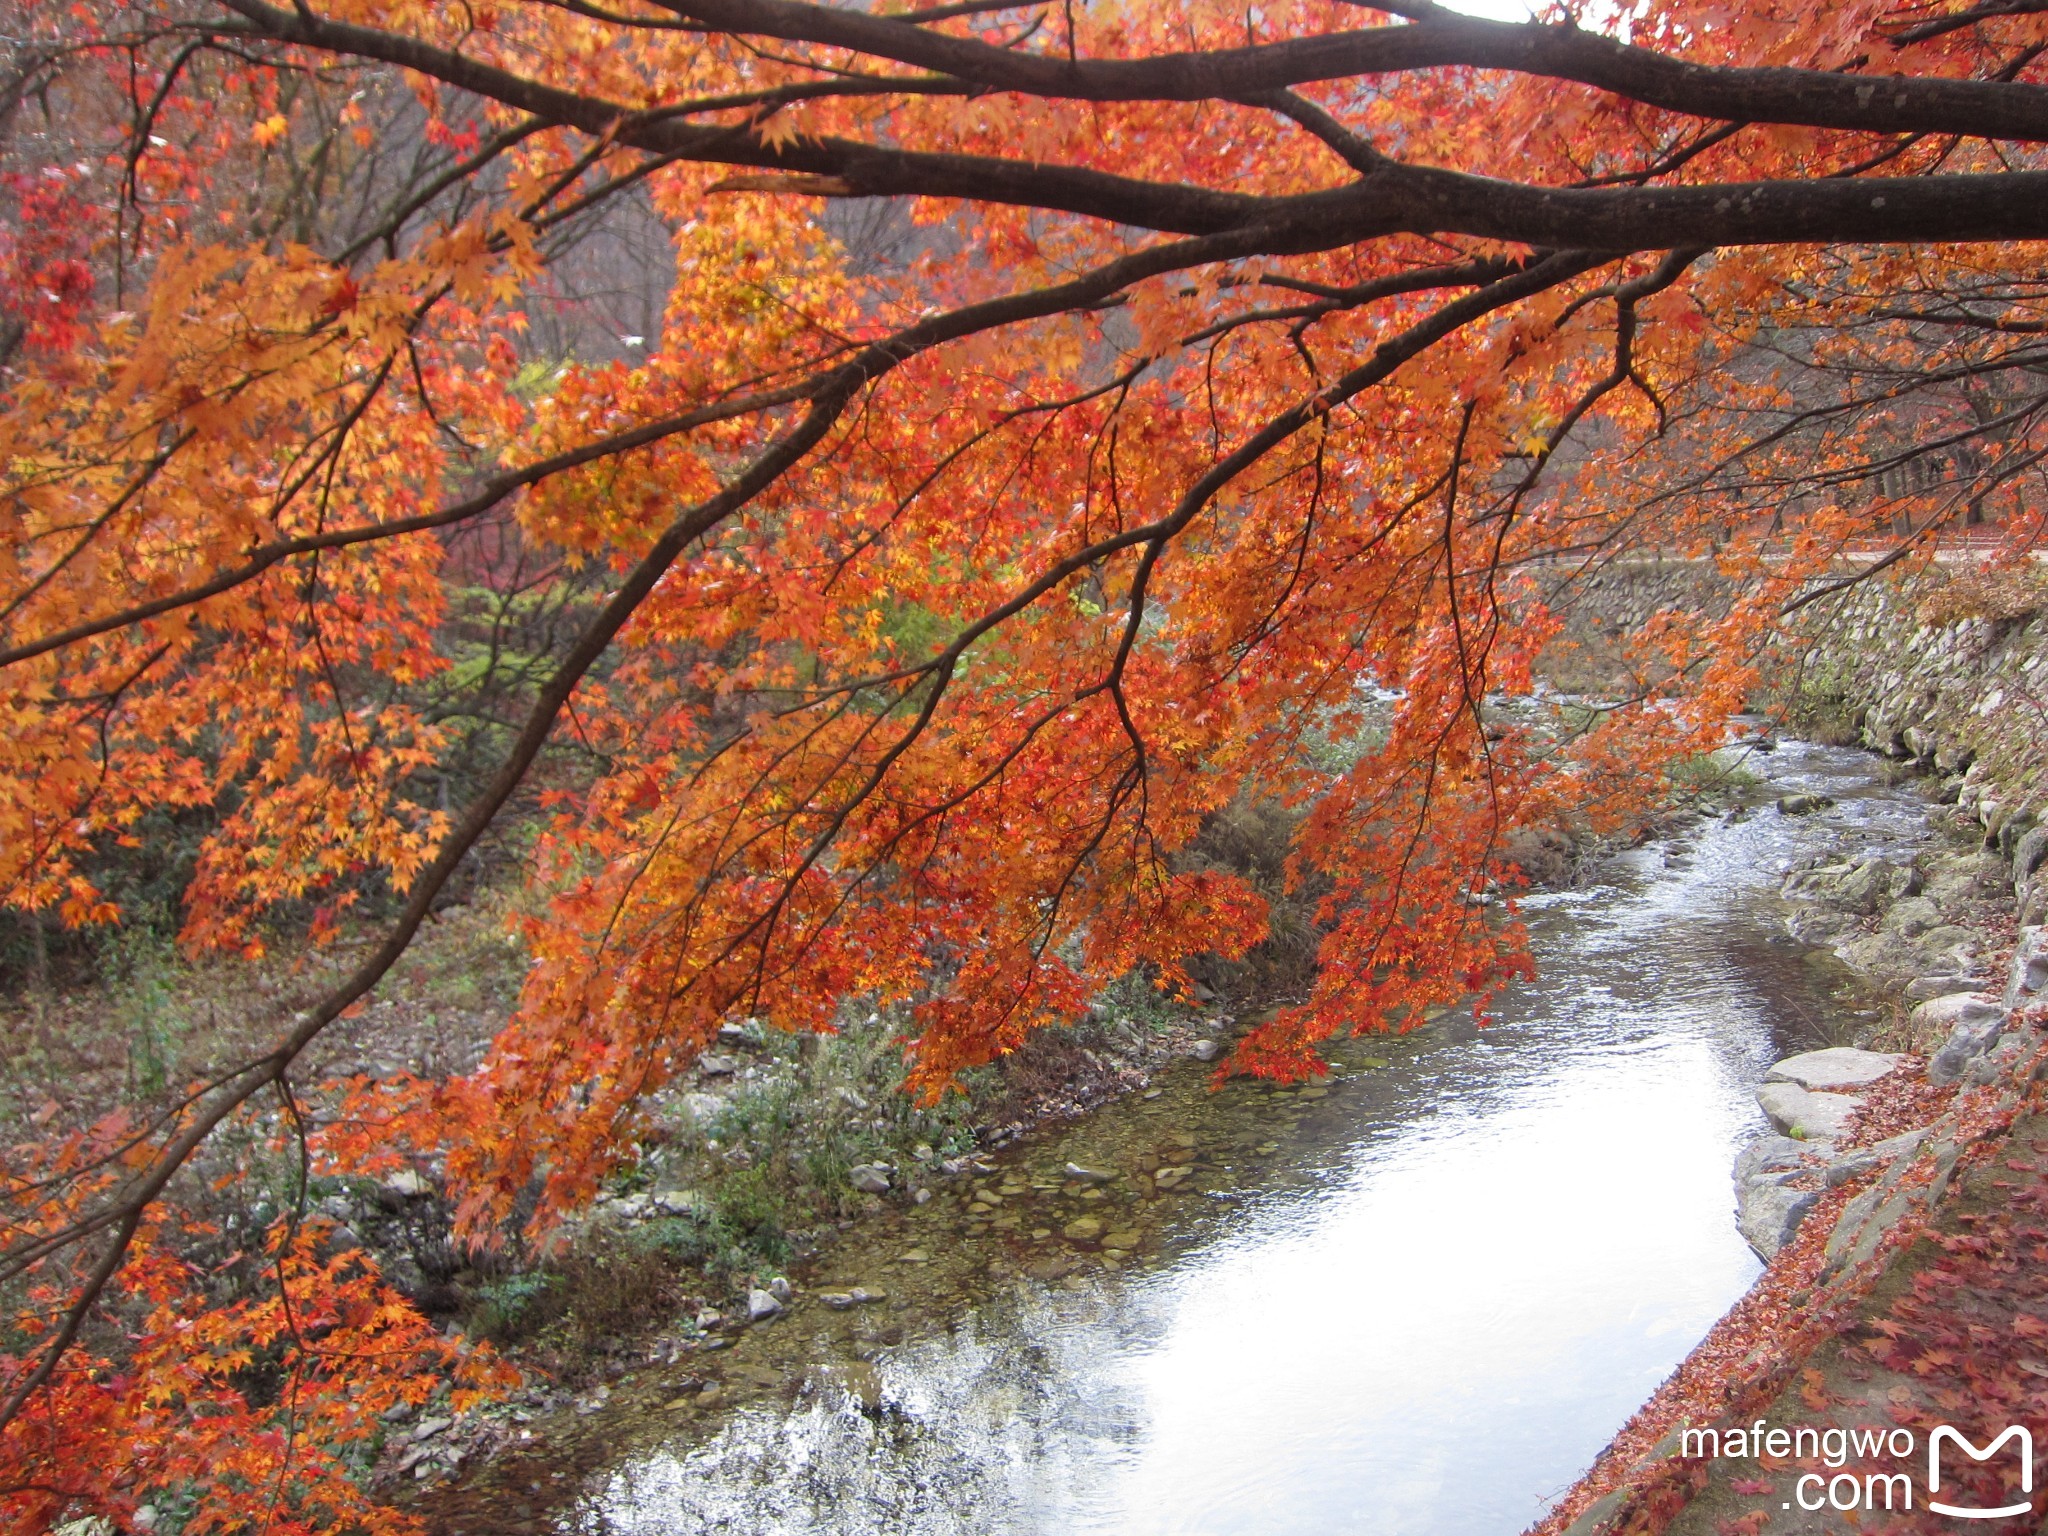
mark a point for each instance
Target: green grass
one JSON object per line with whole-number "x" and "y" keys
{"x": 1712, "y": 773}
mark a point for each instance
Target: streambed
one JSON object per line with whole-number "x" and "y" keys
{"x": 1417, "y": 1298}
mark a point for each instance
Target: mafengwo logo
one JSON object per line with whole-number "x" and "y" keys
{"x": 1943, "y": 1435}
{"x": 1853, "y": 1483}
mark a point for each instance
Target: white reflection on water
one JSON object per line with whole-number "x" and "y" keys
{"x": 1438, "y": 1344}
{"x": 1433, "y": 1336}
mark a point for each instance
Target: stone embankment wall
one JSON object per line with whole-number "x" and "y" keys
{"x": 1961, "y": 694}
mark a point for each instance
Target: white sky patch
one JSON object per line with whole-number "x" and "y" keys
{"x": 1492, "y": 10}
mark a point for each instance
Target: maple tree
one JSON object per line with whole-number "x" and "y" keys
{"x": 1233, "y": 381}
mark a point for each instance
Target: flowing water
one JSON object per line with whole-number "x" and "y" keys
{"x": 1416, "y": 1299}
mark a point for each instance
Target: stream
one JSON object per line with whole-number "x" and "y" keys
{"x": 1416, "y": 1298}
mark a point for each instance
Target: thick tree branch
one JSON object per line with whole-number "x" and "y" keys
{"x": 1392, "y": 199}
{"x": 1807, "y": 97}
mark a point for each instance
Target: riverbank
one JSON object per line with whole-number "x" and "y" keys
{"x": 765, "y": 1153}
{"x": 1907, "y": 1294}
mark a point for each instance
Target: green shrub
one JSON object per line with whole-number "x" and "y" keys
{"x": 516, "y": 1305}
{"x": 141, "y": 969}
{"x": 747, "y": 1207}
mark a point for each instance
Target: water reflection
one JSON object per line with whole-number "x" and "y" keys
{"x": 1455, "y": 1280}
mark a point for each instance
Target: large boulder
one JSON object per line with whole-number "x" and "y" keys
{"x": 1770, "y": 1213}
{"x": 1818, "y": 925}
{"x": 1836, "y": 1069}
{"x": 2028, "y": 855}
{"x": 1973, "y": 1021}
{"x": 1975, "y": 1033}
{"x": 1805, "y": 1115}
{"x": 1777, "y": 1182}
{"x": 1803, "y": 805}
{"x": 1950, "y": 941}
{"x": 1863, "y": 1160}
{"x": 869, "y": 1178}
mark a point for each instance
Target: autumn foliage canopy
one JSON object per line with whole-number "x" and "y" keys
{"x": 1051, "y": 425}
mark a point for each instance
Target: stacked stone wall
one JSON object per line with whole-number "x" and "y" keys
{"x": 1965, "y": 699}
